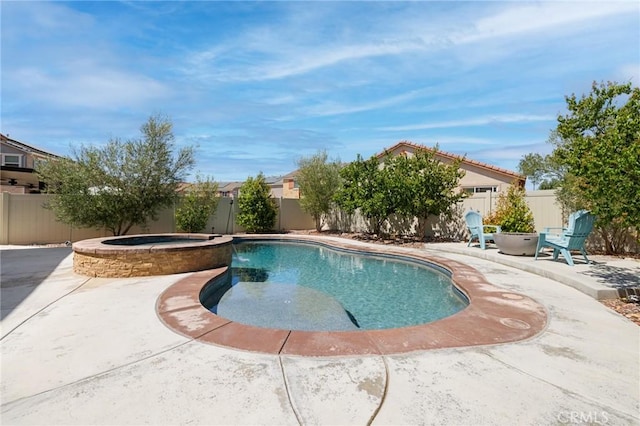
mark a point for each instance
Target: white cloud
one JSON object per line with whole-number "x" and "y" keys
{"x": 43, "y": 18}
{"x": 471, "y": 122}
{"x": 87, "y": 86}
{"x": 288, "y": 62}
{"x": 629, "y": 72}
{"x": 333, "y": 108}
{"x": 281, "y": 79}
{"x": 463, "y": 140}
{"x": 513, "y": 153}
{"x": 295, "y": 46}
{"x": 541, "y": 17}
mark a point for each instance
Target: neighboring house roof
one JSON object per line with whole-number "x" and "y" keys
{"x": 451, "y": 156}
{"x": 21, "y": 178}
{"x": 228, "y": 186}
{"x": 184, "y": 187}
{"x": 273, "y": 180}
{"x": 291, "y": 175}
{"x": 26, "y": 148}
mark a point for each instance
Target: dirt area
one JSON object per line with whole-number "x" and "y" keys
{"x": 403, "y": 241}
{"x": 626, "y": 308}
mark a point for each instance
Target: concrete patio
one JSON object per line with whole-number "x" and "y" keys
{"x": 79, "y": 350}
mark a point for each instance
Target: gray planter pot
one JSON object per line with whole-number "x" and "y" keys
{"x": 516, "y": 243}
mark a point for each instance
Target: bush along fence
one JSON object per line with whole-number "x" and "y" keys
{"x": 25, "y": 221}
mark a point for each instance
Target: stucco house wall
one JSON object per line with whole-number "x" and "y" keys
{"x": 479, "y": 177}
{"x": 18, "y": 161}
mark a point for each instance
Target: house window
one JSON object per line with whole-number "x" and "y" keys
{"x": 478, "y": 189}
{"x": 486, "y": 189}
{"x": 14, "y": 160}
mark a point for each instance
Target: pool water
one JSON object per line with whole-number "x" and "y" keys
{"x": 302, "y": 286}
{"x": 152, "y": 240}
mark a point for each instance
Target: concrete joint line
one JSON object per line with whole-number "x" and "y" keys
{"x": 590, "y": 401}
{"x": 384, "y": 392}
{"x": 286, "y": 388}
{"x": 102, "y": 373}
{"x": 283, "y": 345}
{"x": 45, "y": 307}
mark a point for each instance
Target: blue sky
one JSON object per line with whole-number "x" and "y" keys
{"x": 257, "y": 86}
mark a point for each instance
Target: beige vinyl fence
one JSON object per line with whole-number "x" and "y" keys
{"x": 546, "y": 212}
{"x": 290, "y": 217}
{"x": 25, "y": 221}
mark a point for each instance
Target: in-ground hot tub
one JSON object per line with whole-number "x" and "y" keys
{"x": 150, "y": 254}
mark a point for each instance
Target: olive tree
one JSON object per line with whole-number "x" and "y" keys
{"x": 121, "y": 184}
{"x": 319, "y": 180}
{"x": 197, "y": 204}
{"x": 257, "y": 209}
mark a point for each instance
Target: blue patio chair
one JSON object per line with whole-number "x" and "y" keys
{"x": 572, "y": 237}
{"x": 557, "y": 231}
{"x": 477, "y": 229}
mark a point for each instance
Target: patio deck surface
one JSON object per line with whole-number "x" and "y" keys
{"x": 79, "y": 350}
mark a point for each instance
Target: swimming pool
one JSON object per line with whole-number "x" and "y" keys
{"x": 299, "y": 286}
{"x": 494, "y": 315}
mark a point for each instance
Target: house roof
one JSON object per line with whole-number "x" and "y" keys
{"x": 228, "y": 186}
{"x": 273, "y": 180}
{"x": 24, "y": 147}
{"x": 451, "y": 156}
{"x": 183, "y": 187}
{"x": 291, "y": 175}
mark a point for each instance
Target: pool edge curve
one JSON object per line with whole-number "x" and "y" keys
{"x": 494, "y": 315}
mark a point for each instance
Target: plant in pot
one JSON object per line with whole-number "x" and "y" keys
{"x": 515, "y": 218}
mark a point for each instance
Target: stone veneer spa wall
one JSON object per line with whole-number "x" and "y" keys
{"x": 152, "y": 254}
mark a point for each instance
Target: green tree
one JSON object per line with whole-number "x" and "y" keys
{"x": 544, "y": 172}
{"x": 197, "y": 205}
{"x": 424, "y": 186}
{"x": 599, "y": 143}
{"x": 319, "y": 180}
{"x": 367, "y": 186}
{"x": 533, "y": 166}
{"x": 257, "y": 209}
{"x": 512, "y": 212}
{"x": 122, "y": 184}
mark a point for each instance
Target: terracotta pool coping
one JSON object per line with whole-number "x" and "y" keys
{"x": 493, "y": 316}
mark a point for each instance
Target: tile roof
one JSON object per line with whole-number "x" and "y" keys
{"x": 228, "y": 186}
{"x": 455, "y": 157}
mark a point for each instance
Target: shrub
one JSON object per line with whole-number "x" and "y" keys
{"x": 512, "y": 212}
{"x": 257, "y": 209}
{"x": 319, "y": 180}
{"x": 197, "y": 205}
